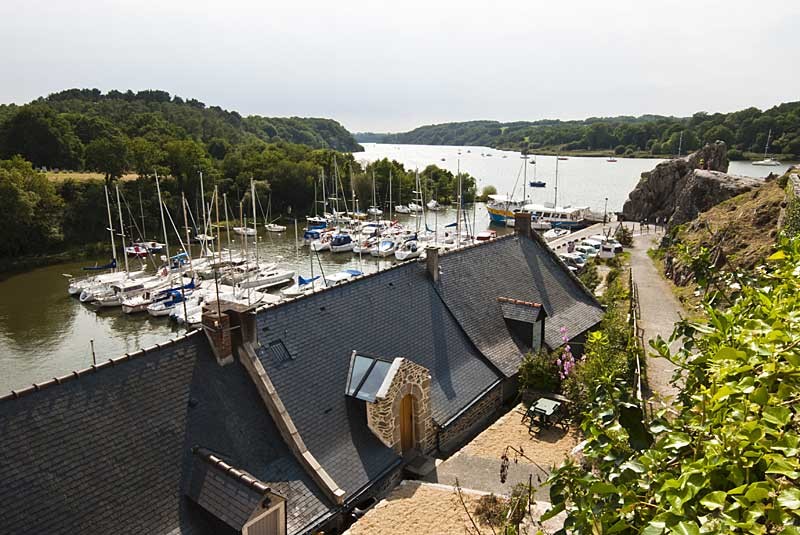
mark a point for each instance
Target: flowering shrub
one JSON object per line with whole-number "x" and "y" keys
{"x": 565, "y": 362}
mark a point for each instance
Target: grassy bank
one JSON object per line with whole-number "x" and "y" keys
{"x": 80, "y": 176}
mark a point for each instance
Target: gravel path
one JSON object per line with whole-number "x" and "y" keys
{"x": 660, "y": 310}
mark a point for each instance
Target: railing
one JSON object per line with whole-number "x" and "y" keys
{"x": 634, "y": 315}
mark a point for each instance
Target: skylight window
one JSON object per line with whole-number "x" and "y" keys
{"x": 369, "y": 377}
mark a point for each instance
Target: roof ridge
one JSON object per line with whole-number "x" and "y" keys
{"x": 76, "y": 374}
{"x": 532, "y": 304}
{"x": 235, "y": 473}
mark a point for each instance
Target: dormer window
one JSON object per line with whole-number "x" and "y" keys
{"x": 525, "y": 322}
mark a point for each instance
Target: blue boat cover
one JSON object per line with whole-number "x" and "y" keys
{"x": 353, "y": 272}
{"x": 301, "y": 281}
{"x": 453, "y": 224}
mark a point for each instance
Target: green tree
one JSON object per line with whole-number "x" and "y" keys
{"x": 37, "y": 134}
{"x": 144, "y": 156}
{"x": 108, "y": 155}
{"x": 30, "y": 210}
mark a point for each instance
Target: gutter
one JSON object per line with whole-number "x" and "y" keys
{"x": 470, "y": 404}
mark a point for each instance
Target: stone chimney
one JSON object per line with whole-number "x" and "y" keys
{"x": 217, "y": 327}
{"x": 522, "y": 224}
{"x": 432, "y": 260}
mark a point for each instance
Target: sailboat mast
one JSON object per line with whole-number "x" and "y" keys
{"x": 163, "y": 223}
{"x": 458, "y": 208}
{"x": 374, "y": 198}
{"x": 524, "y": 178}
{"x": 141, "y": 209}
{"x": 110, "y": 225}
{"x": 766, "y": 145}
{"x": 203, "y": 250}
{"x": 122, "y": 231}
{"x": 186, "y": 226}
{"x": 216, "y": 205}
{"x": 555, "y": 200}
{"x": 255, "y": 227}
{"x": 390, "y": 194}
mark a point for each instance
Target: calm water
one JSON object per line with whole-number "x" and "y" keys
{"x": 44, "y": 332}
{"x": 581, "y": 181}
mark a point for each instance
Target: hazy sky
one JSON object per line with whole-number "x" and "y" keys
{"x": 391, "y": 66}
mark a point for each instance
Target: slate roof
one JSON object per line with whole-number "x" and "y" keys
{"x": 230, "y": 494}
{"x": 515, "y": 267}
{"x": 520, "y": 310}
{"x": 110, "y": 451}
{"x": 394, "y": 313}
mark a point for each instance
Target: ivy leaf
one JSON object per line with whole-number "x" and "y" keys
{"x": 790, "y": 499}
{"x": 603, "y": 488}
{"x": 553, "y": 511}
{"x": 676, "y": 441}
{"x": 655, "y": 527}
{"x": 780, "y": 255}
{"x": 685, "y": 528}
{"x": 760, "y": 396}
{"x": 714, "y": 500}
{"x": 777, "y": 415}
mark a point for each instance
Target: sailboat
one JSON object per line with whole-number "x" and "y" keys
{"x": 374, "y": 210}
{"x": 271, "y": 226}
{"x": 767, "y": 161}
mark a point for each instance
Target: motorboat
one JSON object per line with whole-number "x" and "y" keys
{"x": 611, "y": 160}
{"x": 384, "y": 248}
{"x": 136, "y": 251}
{"x": 342, "y": 243}
{"x": 546, "y": 216}
{"x": 374, "y": 210}
{"x": 414, "y": 207}
{"x": 486, "y": 235}
{"x": 408, "y": 250}
{"x": 563, "y": 158}
{"x": 92, "y": 290}
{"x": 402, "y": 209}
{"x": 120, "y": 290}
{"x": 434, "y": 205}
{"x": 537, "y": 184}
{"x": 203, "y": 238}
{"x": 274, "y": 227}
{"x": 139, "y": 302}
{"x": 556, "y": 233}
{"x": 501, "y": 208}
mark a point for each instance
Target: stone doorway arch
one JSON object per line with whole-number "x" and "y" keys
{"x": 407, "y": 441}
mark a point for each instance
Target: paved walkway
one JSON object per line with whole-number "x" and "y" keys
{"x": 660, "y": 310}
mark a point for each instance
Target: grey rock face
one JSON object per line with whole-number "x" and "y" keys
{"x": 677, "y": 190}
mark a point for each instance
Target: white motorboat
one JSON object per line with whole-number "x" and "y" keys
{"x": 410, "y": 249}
{"x": 365, "y": 246}
{"x": 90, "y": 291}
{"x": 556, "y": 233}
{"x": 202, "y": 238}
{"x": 414, "y": 207}
{"x": 267, "y": 278}
{"x": 342, "y": 243}
{"x": 244, "y": 231}
{"x": 433, "y": 205}
{"x": 274, "y": 227}
{"x": 402, "y": 209}
{"x": 384, "y": 248}
{"x": 374, "y": 210}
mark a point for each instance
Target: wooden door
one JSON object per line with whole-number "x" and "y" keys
{"x": 406, "y": 424}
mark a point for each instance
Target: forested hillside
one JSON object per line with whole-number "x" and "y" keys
{"x": 744, "y": 131}
{"x": 84, "y": 129}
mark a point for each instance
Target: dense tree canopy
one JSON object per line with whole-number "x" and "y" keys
{"x": 743, "y": 131}
{"x": 57, "y": 131}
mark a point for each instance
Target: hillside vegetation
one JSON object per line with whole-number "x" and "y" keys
{"x": 744, "y": 131}
{"x": 86, "y": 130}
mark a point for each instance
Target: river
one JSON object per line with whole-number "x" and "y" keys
{"x": 46, "y": 333}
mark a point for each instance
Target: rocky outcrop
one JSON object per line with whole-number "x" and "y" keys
{"x": 677, "y": 190}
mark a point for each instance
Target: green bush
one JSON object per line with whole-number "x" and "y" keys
{"x": 589, "y": 276}
{"x": 624, "y": 236}
{"x": 735, "y": 154}
{"x": 539, "y": 372}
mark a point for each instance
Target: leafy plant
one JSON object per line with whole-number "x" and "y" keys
{"x": 540, "y": 372}
{"x": 724, "y": 457}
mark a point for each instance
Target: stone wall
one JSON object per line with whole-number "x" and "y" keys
{"x": 472, "y": 421}
{"x": 383, "y": 416}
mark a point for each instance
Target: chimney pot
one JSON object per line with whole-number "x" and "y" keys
{"x": 432, "y": 262}
{"x": 522, "y": 223}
